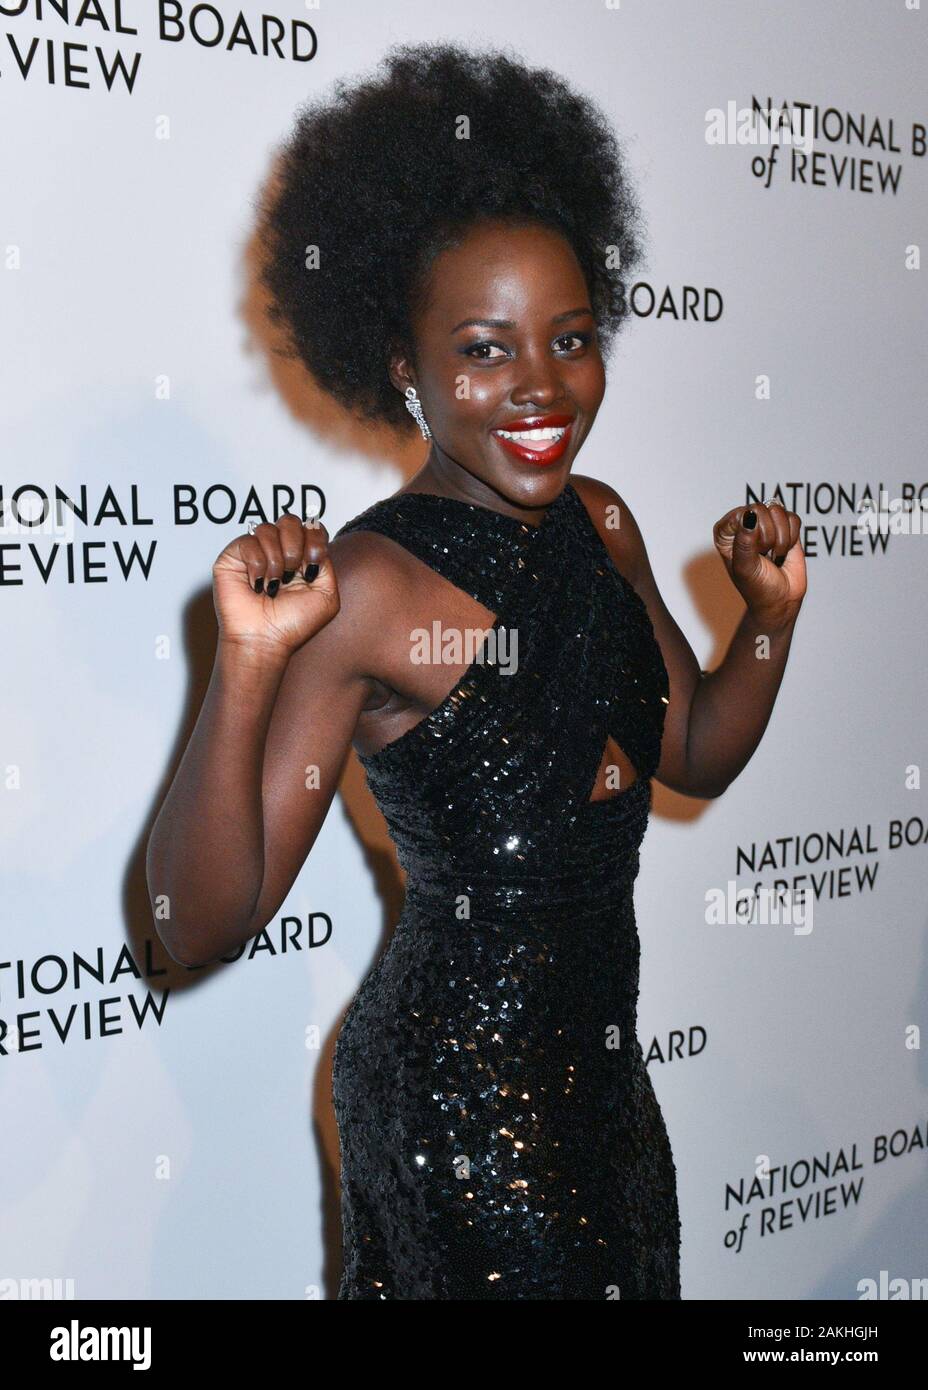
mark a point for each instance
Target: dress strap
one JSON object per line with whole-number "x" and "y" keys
{"x": 480, "y": 551}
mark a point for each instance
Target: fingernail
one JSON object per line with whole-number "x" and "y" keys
{"x": 259, "y": 585}
{"x": 310, "y": 573}
{"x": 272, "y": 587}
{"x": 749, "y": 520}
{"x": 288, "y": 575}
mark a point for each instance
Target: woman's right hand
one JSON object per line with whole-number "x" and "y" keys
{"x": 255, "y": 607}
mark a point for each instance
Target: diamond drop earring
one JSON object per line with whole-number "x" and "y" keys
{"x": 414, "y": 406}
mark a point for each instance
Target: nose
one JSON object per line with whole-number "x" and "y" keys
{"x": 539, "y": 380}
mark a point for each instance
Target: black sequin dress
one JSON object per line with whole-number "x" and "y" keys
{"x": 500, "y": 1136}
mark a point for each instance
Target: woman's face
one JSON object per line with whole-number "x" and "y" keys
{"x": 506, "y": 341}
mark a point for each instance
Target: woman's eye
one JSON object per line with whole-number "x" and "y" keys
{"x": 482, "y": 348}
{"x": 488, "y": 352}
{"x": 578, "y": 339}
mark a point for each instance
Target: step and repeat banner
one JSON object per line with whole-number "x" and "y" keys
{"x": 168, "y": 1132}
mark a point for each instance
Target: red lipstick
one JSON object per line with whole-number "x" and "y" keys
{"x": 535, "y": 447}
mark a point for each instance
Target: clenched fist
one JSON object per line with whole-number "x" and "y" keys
{"x": 274, "y": 589}
{"x": 766, "y": 561}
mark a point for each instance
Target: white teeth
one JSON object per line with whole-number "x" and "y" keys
{"x": 523, "y": 435}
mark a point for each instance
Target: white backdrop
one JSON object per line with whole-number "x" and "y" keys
{"x": 169, "y": 1133}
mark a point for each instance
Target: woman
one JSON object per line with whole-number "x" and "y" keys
{"x": 444, "y": 243}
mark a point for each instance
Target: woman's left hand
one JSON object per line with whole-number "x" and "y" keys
{"x": 773, "y": 588}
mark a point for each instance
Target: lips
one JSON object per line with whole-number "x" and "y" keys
{"x": 538, "y": 439}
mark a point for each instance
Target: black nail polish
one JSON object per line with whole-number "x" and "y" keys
{"x": 288, "y": 575}
{"x": 778, "y": 559}
{"x": 259, "y": 585}
{"x": 310, "y": 573}
{"x": 272, "y": 587}
{"x": 749, "y": 520}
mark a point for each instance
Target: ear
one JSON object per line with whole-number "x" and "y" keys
{"x": 400, "y": 369}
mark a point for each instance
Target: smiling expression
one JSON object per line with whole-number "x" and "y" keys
{"x": 508, "y": 367}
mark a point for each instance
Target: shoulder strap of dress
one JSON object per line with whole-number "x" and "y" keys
{"x": 478, "y": 550}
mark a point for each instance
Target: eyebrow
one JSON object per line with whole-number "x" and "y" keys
{"x": 508, "y": 323}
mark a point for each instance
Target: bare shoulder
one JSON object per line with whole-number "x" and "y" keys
{"x": 615, "y": 522}
{"x": 364, "y": 561}
{"x": 371, "y": 578}
{"x": 376, "y": 575}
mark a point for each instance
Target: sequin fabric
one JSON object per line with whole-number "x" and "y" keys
{"x": 500, "y": 1136}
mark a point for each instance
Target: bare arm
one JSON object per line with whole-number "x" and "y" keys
{"x": 715, "y": 719}
{"x": 205, "y": 851}
{"x": 263, "y": 762}
{"x": 731, "y": 705}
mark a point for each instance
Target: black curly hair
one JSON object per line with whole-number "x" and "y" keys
{"x": 378, "y": 179}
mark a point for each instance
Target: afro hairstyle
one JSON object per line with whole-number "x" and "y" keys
{"x": 379, "y": 179}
